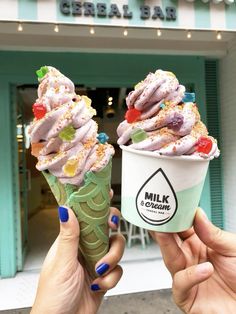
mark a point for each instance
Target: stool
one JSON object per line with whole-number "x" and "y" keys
{"x": 141, "y": 235}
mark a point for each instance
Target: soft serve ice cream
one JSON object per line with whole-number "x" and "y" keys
{"x": 74, "y": 159}
{"x": 166, "y": 151}
{"x": 161, "y": 119}
{"x": 63, "y": 134}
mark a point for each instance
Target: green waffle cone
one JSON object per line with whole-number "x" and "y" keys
{"x": 91, "y": 204}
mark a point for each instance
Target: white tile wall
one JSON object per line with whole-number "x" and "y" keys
{"x": 228, "y": 131}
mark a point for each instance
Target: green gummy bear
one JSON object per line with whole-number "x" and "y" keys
{"x": 42, "y": 71}
{"x": 138, "y": 135}
{"x": 68, "y": 133}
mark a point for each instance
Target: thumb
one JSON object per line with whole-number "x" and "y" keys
{"x": 186, "y": 279}
{"x": 221, "y": 241}
{"x": 68, "y": 239}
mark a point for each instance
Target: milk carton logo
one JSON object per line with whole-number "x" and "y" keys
{"x": 156, "y": 201}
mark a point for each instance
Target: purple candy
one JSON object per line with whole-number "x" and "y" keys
{"x": 176, "y": 122}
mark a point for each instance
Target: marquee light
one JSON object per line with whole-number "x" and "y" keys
{"x": 189, "y": 35}
{"x": 92, "y": 31}
{"x": 20, "y": 27}
{"x": 125, "y": 32}
{"x": 56, "y": 28}
{"x": 159, "y": 33}
{"x": 219, "y": 36}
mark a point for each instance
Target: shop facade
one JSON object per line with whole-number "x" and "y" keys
{"x": 87, "y": 42}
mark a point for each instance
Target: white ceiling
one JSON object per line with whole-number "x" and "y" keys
{"x": 41, "y": 37}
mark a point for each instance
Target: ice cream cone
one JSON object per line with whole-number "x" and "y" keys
{"x": 91, "y": 205}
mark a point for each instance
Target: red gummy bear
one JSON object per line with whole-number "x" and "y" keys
{"x": 39, "y": 111}
{"x": 132, "y": 115}
{"x": 204, "y": 145}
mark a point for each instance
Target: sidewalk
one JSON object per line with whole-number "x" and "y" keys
{"x": 152, "y": 302}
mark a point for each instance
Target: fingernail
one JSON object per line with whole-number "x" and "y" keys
{"x": 204, "y": 215}
{"x": 63, "y": 214}
{"x": 95, "y": 287}
{"x": 101, "y": 269}
{"x": 115, "y": 219}
{"x": 203, "y": 268}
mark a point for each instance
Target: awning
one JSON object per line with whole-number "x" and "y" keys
{"x": 177, "y": 14}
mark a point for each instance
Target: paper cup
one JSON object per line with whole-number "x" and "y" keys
{"x": 161, "y": 193}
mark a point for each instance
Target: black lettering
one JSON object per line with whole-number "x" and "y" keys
{"x": 148, "y": 204}
{"x": 158, "y": 13}
{"x": 89, "y": 9}
{"x": 148, "y": 196}
{"x": 170, "y": 13}
{"x": 127, "y": 15}
{"x": 102, "y": 9}
{"x": 145, "y": 12}
{"x": 76, "y": 8}
{"x": 114, "y": 11}
{"x": 165, "y": 199}
{"x": 65, "y": 6}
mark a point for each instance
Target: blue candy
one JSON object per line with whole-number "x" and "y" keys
{"x": 189, "y": 97}
{"x": 162, "y": 106}
{"x": 102, "y": 137}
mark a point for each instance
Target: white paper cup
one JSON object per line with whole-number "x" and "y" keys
{"x": 161, "y": 193}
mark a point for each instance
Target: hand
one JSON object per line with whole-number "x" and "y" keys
{"x": 202, "y": 262}
{"x": 64, "y": 284}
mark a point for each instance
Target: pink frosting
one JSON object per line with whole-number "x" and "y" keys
{"x": 66, "y": 109}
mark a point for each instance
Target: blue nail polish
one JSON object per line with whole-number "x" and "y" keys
{"x": 63, "y": 214}
{"x": 95, "y": 287}
{"x": 115, "y": 219}
{"x": 101, "y": 269}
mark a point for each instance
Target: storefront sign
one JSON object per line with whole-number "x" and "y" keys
{"x": 77, "y": 8}
{"x": 215, "y": 1}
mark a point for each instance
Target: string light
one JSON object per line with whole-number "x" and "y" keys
{"x": 189, "y": 35}
{"x": 159, "y": 33}
{"x": 110, "y": 98}
{"x": 92, "y": 31}
{"x": 125, "y": 32}
{"x": 56, "y": 29}
{"x": 109, "y": 103}
{"x": 20, "y": 27}
{"x": 219, "y": 36}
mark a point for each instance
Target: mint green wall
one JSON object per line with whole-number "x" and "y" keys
{"x": 110, "y": 70}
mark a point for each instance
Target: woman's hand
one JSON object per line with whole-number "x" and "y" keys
{"x": 65, "y": 287}
{"x": 202, "y": 262}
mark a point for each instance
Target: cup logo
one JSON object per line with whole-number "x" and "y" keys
{"x": 156, "y": 201}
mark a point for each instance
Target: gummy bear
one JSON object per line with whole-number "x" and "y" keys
{"x": 132, "y": 115}
{"x": 70, "y": 167}
{"x": 42, "y": 71}
{"x": 204, "y": 145}
{"x": 68, "y": 133}
{"x": 138, "y": 135}
{"x": 102, "y": 137}
{"x": 39, "y": 111}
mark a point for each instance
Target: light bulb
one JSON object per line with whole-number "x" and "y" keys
{"x": 189, "y": 35}
{"x": 56, "y": 29}
{"x": 159, "y": 33}
{"x": 125, "y": 32}
{"x": 110, "y": 98}
{"x": 219, "y": 36}
{"x": 92, "y": 31}
{"x": 20, "y": 27}
{"x": 109, "y": 103}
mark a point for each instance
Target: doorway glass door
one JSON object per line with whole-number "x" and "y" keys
{"x": 24, "y": 176}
